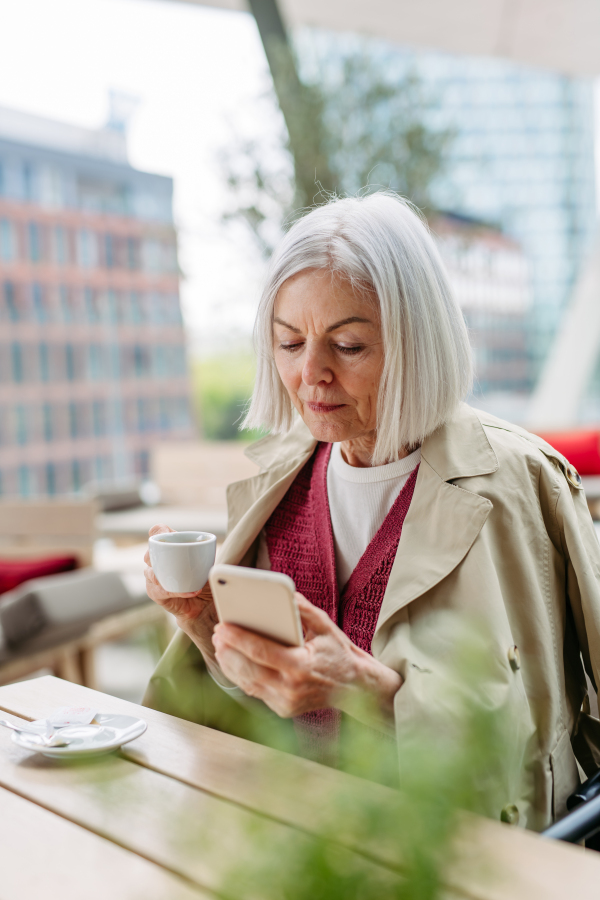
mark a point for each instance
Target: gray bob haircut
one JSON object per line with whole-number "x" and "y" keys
{"x": 380, "y": 245}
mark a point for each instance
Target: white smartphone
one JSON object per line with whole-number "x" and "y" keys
{"x": 259, "y": 600}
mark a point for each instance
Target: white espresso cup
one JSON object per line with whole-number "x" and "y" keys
{"x": 182, "y": 559}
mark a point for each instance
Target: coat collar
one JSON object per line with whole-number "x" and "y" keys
{"x": 460, "y": 448}
{"x": 276, "y": 448}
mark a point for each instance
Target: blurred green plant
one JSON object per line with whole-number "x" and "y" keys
{"x": 221, "y": 387}
{"x": 401, "y": 831}
{"x": 356, "y": 125}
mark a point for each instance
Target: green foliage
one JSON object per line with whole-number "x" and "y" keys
{"x": 221, "y": 387}
{"x": 401, "y": 839}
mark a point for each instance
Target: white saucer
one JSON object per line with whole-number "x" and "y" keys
{"x": 111, "y": 732}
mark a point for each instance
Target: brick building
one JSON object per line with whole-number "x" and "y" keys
{"x": 92, "y": 348}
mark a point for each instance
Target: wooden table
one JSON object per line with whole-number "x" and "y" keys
{"x": 108, "y": 828}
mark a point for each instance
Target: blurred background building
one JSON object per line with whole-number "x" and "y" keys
{"x": 92, "y": 346}
{"x": 522, "y": 159}
{"x": 490, "y": 275}
{"x": 519, "y": 159}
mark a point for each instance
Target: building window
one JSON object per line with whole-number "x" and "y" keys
{"x": 10, "y": 301}
{"x": 39, "y": 304}
{"x": 47, "y": 422}
{"x": 25, "y": 481}
{"x": 133, "y": 253}
{"x": 60, "y": 246}
{"x": 76, "y": 475}
{"x": 151, "y": 255}
{"x": 44, "y": 362}
{"x": 109, "y": 251}
{"x": 141, "y": 415}
{"x": 28, "y": 182}
{"x": 21, "y": 424}
{"x": 163, "y": 413}
{"x": 73, "y": 429}
{"x": 91, "y": 299}
{"x": 140, "y": 361}
{"x": 95, "y": 362}
{"x": 16, "y": 358}
{"x": 99, "y": 418}
{"x": 112, "y": 307}
{"x": 34, "y": 239}
{"x": 69, "y": 362}
{"x": 87, "y": 249}
{"x": 7, "y": 240}
{"x": 137, "y": 310}
{"x": 66, "y": 303}
{"x": 50, "y": 478}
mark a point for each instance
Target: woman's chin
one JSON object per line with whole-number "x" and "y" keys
{"x": 324, "y": 428}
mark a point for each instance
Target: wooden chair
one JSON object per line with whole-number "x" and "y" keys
{"x": 41, "y": 528}
{"x": 48, "y": 527}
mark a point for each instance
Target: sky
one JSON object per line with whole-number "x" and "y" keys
{"x": 196, "y": 72}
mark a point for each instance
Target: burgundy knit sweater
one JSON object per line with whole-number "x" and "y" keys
{"x": 300, "y": 543}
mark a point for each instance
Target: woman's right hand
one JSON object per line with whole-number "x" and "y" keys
{"x": 195, "y": 612}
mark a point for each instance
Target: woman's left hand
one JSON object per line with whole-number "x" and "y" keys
{"x": 329, "y": 670}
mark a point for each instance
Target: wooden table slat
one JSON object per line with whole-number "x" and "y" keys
{"x": 60, "y": 860}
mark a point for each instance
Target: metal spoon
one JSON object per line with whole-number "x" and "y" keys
{"x": 53, "y": 740}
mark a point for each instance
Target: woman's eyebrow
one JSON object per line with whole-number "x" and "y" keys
{"x": 333, "y": 327}
{"x": 347, "y": 321}
{"x": 286, "y": 325}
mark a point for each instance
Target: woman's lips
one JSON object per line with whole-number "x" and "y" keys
{"x": 324, "y": 407}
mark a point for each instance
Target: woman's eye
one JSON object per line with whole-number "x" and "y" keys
{"x": 290, "y": 347}
{"x": 349, "y": 351}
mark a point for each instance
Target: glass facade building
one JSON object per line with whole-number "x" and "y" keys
{"x": 92, "y": 350}
{"x": 522, "y": 159}
{"x": 521, "y": 162}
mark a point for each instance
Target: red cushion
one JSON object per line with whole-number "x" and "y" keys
{"x": 581, "y": 447}
{"x": 14, "y": 572}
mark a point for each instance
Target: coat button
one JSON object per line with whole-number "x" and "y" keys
{"x": 574, "y": 477}
{"x": 510, "y": 814}
{"x": 514, "y": 658}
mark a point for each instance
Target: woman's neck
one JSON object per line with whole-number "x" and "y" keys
{"x": 359, "y": 451}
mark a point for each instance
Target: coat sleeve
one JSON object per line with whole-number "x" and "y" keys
{"x": 574, "y": 531}
{"x": 581, "y": 550}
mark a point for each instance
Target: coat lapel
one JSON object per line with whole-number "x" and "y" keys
{"x": 443, "y": 519}
{"x": 251, "y": 502}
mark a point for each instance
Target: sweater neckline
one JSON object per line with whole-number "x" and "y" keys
{"x": 372, "y": 474}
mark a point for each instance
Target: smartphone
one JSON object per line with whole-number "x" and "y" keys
{"x": 259, "y": 600}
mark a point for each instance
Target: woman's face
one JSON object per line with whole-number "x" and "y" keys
{"x": 329, "y": 354}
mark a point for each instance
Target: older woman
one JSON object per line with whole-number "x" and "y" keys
{"x": 387, "y": 499}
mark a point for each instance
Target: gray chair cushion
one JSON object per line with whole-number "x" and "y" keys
{"x": 57, "y": 601}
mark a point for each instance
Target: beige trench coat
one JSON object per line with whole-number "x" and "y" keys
{"x": 498, "y": 528}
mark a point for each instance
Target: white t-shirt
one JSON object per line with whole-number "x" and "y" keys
{"x": 359, "y": 501}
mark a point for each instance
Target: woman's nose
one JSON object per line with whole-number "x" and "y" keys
{"x": 316, "y": 368}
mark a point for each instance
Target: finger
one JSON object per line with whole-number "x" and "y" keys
{"x": 259, "y": 649}
{"x": 313, "y": 618}
{"x": 253, "y": 679}
{"x": 151, "y": 580}
{"x": 160, "y": 529}
{"x": 147, "y": 557}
